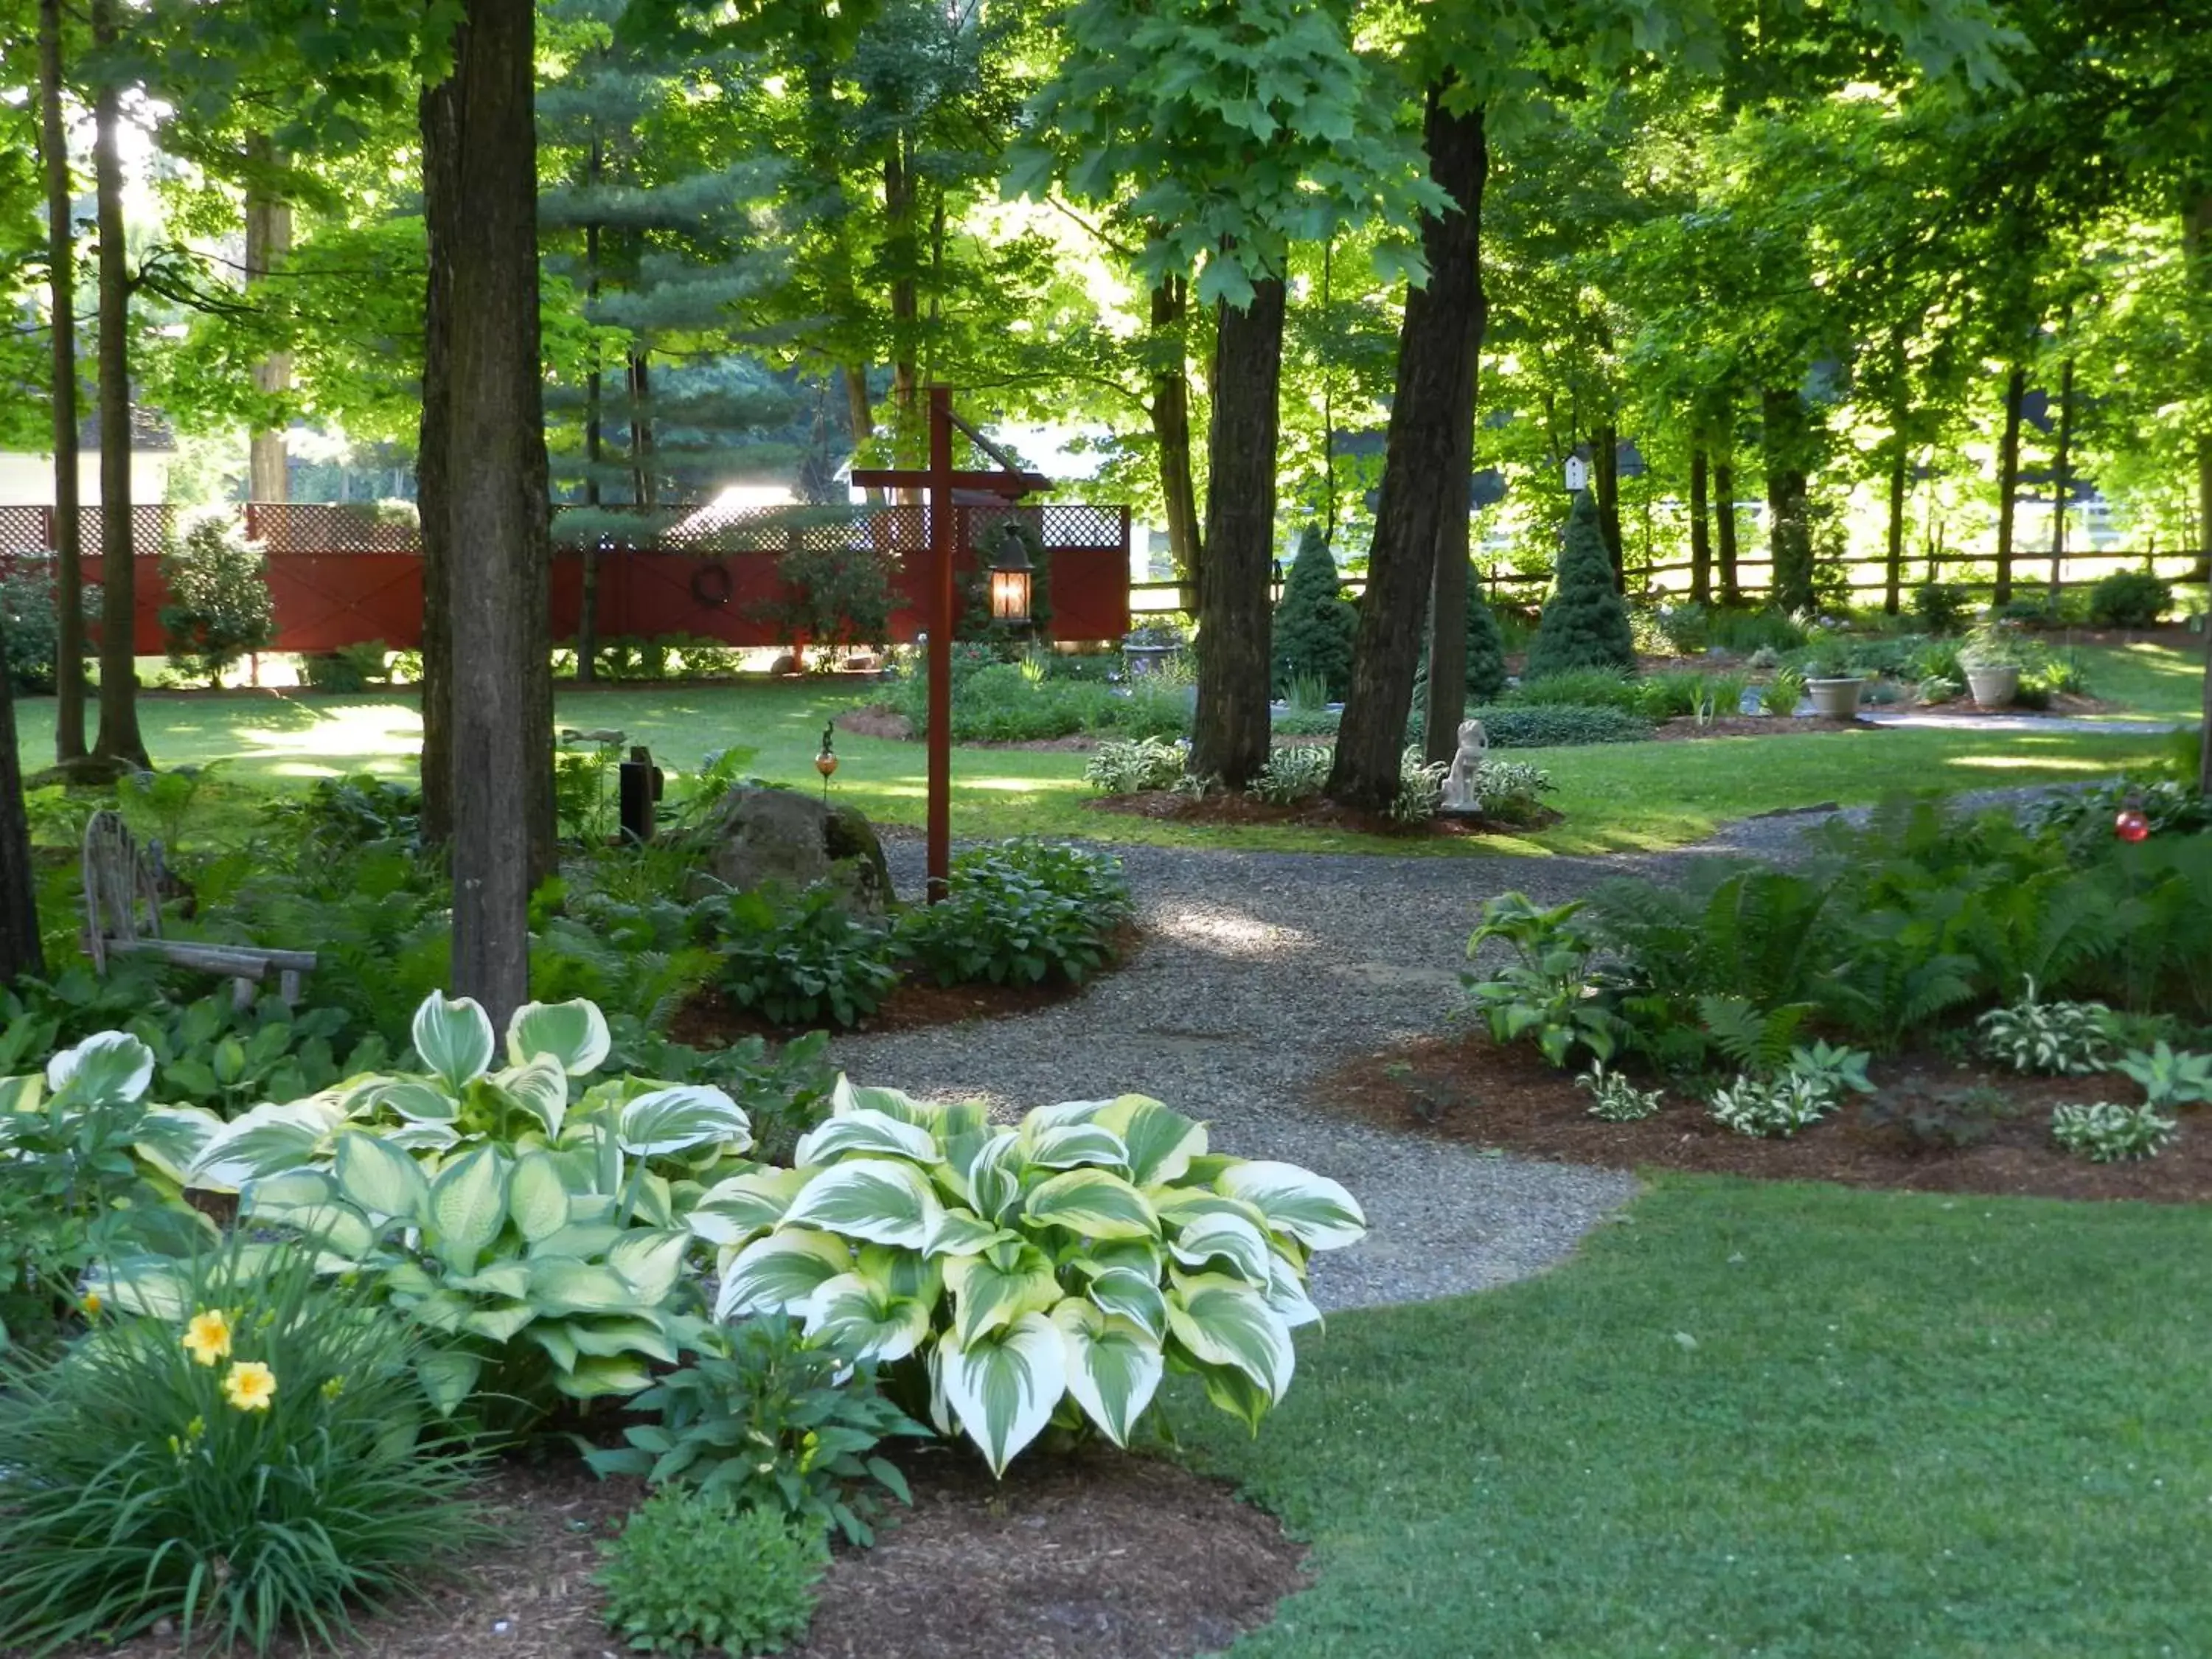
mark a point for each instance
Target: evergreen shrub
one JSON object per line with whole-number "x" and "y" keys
{"x": 220, "y": 607}
{"x": 1314, "y": 622}
{"x": 1586, "y": 623}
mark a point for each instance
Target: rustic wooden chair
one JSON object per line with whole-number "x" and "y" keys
{"x": 123, "y": 917}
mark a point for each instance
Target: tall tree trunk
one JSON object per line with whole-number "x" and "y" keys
{"x": 1170, "y": 412}
{"x": 1893, "y": 583}
{"x": 642, "y": 490}
{"x": 1701, "y": 530}
{"x": 1229, "y": 737}
{"x": 2009, "y": 478}
{"x": 2196, "y": 242}
{"x": 502, "y": 704}
{"x": 61, "y": 259}
{"x": 1428, "y": 460}
{"x": 20, "y": 953}
{"x": 902, "y": 252}
{"x": 587, "y": 604}
{"x": 119, "y": 738}
{"x": 439, "y": 113}
{"x": 1724, "y": 522}
{"x": 2062, "y": 482}
{"x": 858, "y": 414}
{"x": 268, "y": 239}
{"x": 1787, "y": 440}
{"x": 1605, "y": 475}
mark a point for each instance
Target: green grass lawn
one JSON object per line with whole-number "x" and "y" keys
{"x": 2156, "y": 682}
{"x": 1764, "y": 1418}
{"x": 1619, "y": 797}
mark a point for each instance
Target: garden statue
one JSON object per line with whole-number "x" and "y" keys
{"x": 1462, "y": 784}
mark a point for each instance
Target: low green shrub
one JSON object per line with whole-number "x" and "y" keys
{"x": 254, "y": 1466}
{"x": 2168, "y": 1076}
{"x": 1125, "y": 767}
{"x": 1745, "y": 631}
{"x": 1783, "y": 692}
{"x": 998, "y": 702}
{"x": 1941, "y": 607}
{"x": 690, "y": 1571}
{"x": 1307, "y": 722}
{"x": 1314, "y": 622}
{"x": 220, "y": 606}
{"x": 30, "y": 624}
{"x": 2130, "y": 598}
{"x": 800, "y": 959}
{"x": 1511, "y": 790}
{"x": 1582, "y": 688}
{"x": 1549, "y": 727}
{"x": 2107, "y": 1133}
{"x": 1019, "y": 913}
{"x": 1292, "y": 774}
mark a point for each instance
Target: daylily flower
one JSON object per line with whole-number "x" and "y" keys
{"x": 250, "y": 1386}
{"x": 207, "y": 1338}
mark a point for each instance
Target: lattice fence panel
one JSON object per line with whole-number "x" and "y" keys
{"x": 333, "y": 527}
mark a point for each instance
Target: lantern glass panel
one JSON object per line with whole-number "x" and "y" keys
{"x": 1010, "y": 596}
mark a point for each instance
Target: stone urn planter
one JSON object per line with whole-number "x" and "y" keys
{"x": 1993, "y": 685}
{"x": 1835, "y": 699}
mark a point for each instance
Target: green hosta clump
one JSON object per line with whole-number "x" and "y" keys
{"x": 2105, "y": 1134}
{"x": 1018, "y": 914}
{"x": 2170, "y": 1076}
{"x": 1124, "y": 767}
{"x": 2063, "y": 1038}
{"x": 1039, "y": 1274}
{"x": 1292, "y": 774}
{"x": 1771, "y": 1106}
{"x": 1615, "y": 1098}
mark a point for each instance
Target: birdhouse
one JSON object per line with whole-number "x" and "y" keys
{"x": 1577, "y": 473}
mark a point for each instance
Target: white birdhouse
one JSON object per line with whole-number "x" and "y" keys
{"x": 1577, "y": 473}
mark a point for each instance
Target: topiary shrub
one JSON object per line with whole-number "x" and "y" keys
{"x": 2130, "y": 599}
{"x": 1314, "y": 622}
{"x": 1586, "y": 623}
{"x": 1485, "y": 651}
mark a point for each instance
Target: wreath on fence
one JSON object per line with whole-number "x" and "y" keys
{"x": 711, "y": 584}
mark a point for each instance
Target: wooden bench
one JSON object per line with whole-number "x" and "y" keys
{"x": 123, "y": 917}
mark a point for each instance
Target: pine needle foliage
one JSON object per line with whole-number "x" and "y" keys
{"x": 1314, "y": 622}
{"x": 1585, "y": 622}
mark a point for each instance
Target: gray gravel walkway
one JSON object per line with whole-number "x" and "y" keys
{"x": 1262, "y": 971}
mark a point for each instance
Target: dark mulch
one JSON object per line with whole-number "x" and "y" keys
{"x": 711, "y": 1020}
{"x": 1169, "y": 807}
{"x": 1095, "y": 1556}
{"x": 1470, "y": 1089}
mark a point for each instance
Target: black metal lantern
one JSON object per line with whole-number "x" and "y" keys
{"x": 1011, "y": 575}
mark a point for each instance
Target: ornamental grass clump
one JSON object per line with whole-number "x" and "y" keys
{"x": 256, "y": 1462}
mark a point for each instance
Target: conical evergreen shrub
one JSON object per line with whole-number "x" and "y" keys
{"x": 1485, "y": 650}
{"x": 1585, "y": 622}
{"x": 1314, "y": 622}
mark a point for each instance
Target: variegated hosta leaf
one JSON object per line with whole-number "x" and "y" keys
{"x": 731, "y": 1211}
{"x": 878, "y": 1199}
{"x": 1236, "y": 1394}
{"x": 154, "y": 1286}
{"x": 781, "y": 1272}
{"x": 467, "y": 1205}
{"x": 1224, "y": 1322}
{"x": 862, "y": 1131}
{"x": 563, "y": 1284}
{"x": 864, "y": 1320}
{"x": 599, "y": 1378}
{"x": 1094, "y": 1203}
{"x": 1287, "y": 1294}
{"x": 268, "y": 1140}
{"x": 957, "y": 1233}
{"x": 1003, "y": 1389}
{"x": 1113, "y": 1366}
{"x": 421, "y": 1137}
{"x": 1231, "y": 1238}
{"x": 1133, "y": 1295}
{"x": 650, "y": 1264}
{"x": 1311, "y": 1208}
{"x": 1062, "y": 1114}
{"x": 172, "y": 1138}
{"x": 676, "y": 1119}
{"x": 1179, "y": 1207}
{"x": 537, "y": 1196}
{"x": 956, "y": 1119}
{"x": 409, "y": 1097}
{"x": 448, "y": 1376}
{"x": 379, "y": 1178}
{"x": 1161, "y": 1142}
{"x": 572, "y": 1035}
{"x": 902, "y": 1272}
{"x": 539, "y": 1087}
{"x": 997, "y": 1288}
{"x": 306, "y": 1202}
{"x": 846, "y": 1095}
{"x": 109, "y": 1068}
{"x": 992, "y": 1175}
{"x": 454, "y": 1038}
{"x": 1064, "y": 1147}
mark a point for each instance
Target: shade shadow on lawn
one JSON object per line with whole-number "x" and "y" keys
{"x": 1780, "y": 1419}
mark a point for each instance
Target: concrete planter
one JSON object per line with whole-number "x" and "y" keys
{"x": 1835, "y": 700}
{"x": 1995, "y": 685}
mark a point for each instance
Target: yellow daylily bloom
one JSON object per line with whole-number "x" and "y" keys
{"x": 250, "y": 1386}
{"x": 207, "y": 1338}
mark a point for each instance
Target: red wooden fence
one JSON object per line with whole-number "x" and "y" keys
{"x": 343, "y": 575}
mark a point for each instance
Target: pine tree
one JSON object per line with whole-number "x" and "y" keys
{"x": 1486, "y": 651}
{"x": 1314, "y": 622}
{"x": 1585, "y": 622}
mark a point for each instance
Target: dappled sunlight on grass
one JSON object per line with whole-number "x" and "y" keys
{"x": 2080, "y": 765}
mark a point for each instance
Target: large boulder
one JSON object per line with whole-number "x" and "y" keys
{"x": 761, "y": 835}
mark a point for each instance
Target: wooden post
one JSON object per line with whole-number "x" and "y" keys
{"x": 941, "y": 641}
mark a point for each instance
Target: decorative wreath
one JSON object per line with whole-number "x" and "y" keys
{"x": 711, "y": 584}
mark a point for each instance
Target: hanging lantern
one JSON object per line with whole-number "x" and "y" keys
{"x": 1010, "y": 574}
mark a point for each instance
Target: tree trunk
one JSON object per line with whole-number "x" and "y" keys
{"x": 497, "y": 472}
{"x": 1894, "y": 562}
{"x": 900, "y": 254}
{"x": 61, "y": 259}
{"x": 1428, "y": 460}
{"x": 268, "y": 239}
{"x": 587, "y": 604}
{"x": 2009, "y": 478}
{"x": 1605, "y": 475}
{"x": 20, "y": 953}
{"x": 119, "y": 738}
{"x": 438, "y": 112}
{"x": 1724, "y": 524}
{"x": 1170, "y": 412}
{"x": 1701, "y": 530}
{"x": 1229, "y": 738}
{"x": 640, "y": 426}
{"x": 2196, "y": 242}
{"x": 2062, "y": 482}
{"x": 1788, "y": 442}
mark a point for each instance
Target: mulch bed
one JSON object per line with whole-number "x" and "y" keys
{"x": 1167, "y": 805}
{"x": 711, "y": 1020}
{"x": 1470, "y": 1088}
{"x": 1096, "y": 1555}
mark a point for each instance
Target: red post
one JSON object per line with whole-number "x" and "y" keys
{"x": 940, "y": 641}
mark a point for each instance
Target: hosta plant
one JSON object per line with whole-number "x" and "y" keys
{"x": 1547, "y": 991}
{"x": 1039, "y": 1274}
{"x": 1615, "y": 1098}
{"x": 1420, "y": 788}
{"x": 2063, "y": 1038}
{"x": 2105, "y": 1134}
{"x": 1292, "y": 774}
{"x": 2170, "y": 1076}
{"x": 1125, "y": 767}
{"x": 1018, "y": 914}
{"x": 1771, "y": 1106}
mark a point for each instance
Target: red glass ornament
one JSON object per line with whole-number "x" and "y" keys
{"x": 2131, "y": 825}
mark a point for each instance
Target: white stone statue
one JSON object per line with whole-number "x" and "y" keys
{"x": 1462, "y": 784}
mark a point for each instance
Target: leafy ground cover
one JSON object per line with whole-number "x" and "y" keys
{"x": 1614, "y": 798}
{"x": 1771, "y": 1419}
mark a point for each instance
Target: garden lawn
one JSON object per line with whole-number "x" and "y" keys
{"x": 1617, "y": 796}
{"x": 2155, "y": 681}
{"x": 1763, "y": 1419}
